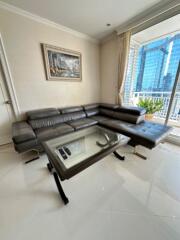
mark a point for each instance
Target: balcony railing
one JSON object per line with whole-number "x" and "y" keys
{"x": 165, "y": 96}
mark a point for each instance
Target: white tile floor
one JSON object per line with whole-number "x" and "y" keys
{"x": 131, "y": 200}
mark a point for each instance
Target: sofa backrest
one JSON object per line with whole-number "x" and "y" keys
{"x": 109, "y": 106}
{"x": 71, "y": 109}
{"x": 67, "y": 117}
{"x": 138, "y": 111}
{"x": 92, "y": 112}
{"x": 127, "y": 117}
{"x": 42, "y": 113}
{"x": 105, "y": 109}
{"x": 45, "y": 122}
{"x": 51, "y": 116}
{"x": 91, "y": 109}
{"x": 72, "y": 113}
{"x": 127, "y": 114}
{"x": 106, "y": 112}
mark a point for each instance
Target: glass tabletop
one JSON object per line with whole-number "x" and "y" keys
{"x": 69, "y": 150}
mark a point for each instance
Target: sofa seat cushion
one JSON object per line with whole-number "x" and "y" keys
{"x": 116, "y": 125}
{"x": 22, "y": 132}
{"x": 82, "y": 123}
{"x": 150, "y": 133}
{"x": 52, "y": 132}
{"x": 100, "y": 118}
{"x": 146, "y": 133}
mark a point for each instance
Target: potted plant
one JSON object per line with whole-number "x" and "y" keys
{"x": 151, "y": 105}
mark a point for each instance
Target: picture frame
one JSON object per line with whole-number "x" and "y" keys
{"x": 62, "y": 64}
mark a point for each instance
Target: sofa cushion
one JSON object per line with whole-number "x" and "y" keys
{"x": 55, "y": 120}
{"x": 82, "y": 123}
{"x": 22, "y": 131}
{"x": 100, "y": 118}
{"x": 122, "y": 116}
{"x": 109, "y": 106}
{"x": 106, "y": 112}
{"x": 146, "y": 133}
{"x": 91, "y": 106}
{"x": 42, "y": 113}
{"x": 46, "y": 122}
{"x": 51, "y": 132}
{"x": 150, "y": 133}
{"x": 92, "y": 112}
{"x": 132, "y": 110}
{"x": 129, "y": 117}
{"x": 73, "y": 116}
{"x": 71, "y": 109}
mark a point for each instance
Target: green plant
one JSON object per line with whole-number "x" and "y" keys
{"x": 151, "y": 105}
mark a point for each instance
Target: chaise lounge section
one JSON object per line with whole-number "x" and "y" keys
{"x": 44, "y": 124}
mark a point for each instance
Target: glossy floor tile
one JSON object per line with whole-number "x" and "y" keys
{"x": 134, "y": 199}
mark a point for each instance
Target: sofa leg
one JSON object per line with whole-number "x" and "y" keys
{"x": 35, "y": 158}
{"x": 117, "y": 155}
{"x": 139, "y": 154}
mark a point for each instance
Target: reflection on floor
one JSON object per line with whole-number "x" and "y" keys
{"x": 129, "y": 200}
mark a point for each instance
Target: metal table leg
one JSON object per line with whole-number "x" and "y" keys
{"x": 58, "y": 184}
{"x": 61, "y": 191}
{"x": 117, "y": 155}
{"x": 50, "y": 167}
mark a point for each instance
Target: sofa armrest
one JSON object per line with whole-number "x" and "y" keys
{"x": 22, "y": 131}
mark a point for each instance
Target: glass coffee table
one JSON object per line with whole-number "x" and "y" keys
{"x": 72, "y": 153}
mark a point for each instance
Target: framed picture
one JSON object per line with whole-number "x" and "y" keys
{"x": 62, "y": 64}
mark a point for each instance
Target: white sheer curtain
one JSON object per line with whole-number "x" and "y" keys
{"x": 123, "y": 52}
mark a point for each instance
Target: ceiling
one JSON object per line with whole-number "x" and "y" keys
{"x": 168, "y": 26}
{"x": 86, "y": 16}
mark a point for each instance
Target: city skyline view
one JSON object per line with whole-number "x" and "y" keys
{"x": 157, "y": 65}
{"x": 151, "y": 73}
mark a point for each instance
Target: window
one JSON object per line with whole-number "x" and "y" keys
{"x": 151, "y": 72}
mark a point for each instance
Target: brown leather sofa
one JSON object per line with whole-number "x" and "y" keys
{"x": 44, "y": 124}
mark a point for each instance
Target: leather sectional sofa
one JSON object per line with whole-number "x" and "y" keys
{"x": 44, "y": 124}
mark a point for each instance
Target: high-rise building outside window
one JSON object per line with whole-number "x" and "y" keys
{"x": 157, "y": 65}
{"x": 152, "y": 71}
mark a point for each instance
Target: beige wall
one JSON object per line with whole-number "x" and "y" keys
{"x": 109, "y": 70}
{"x": 22, "y": 38}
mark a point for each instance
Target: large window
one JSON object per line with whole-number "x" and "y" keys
{"x": 151, "y": 73}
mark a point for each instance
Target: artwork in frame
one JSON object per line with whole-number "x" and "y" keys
{"x": 62, "y": 64}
